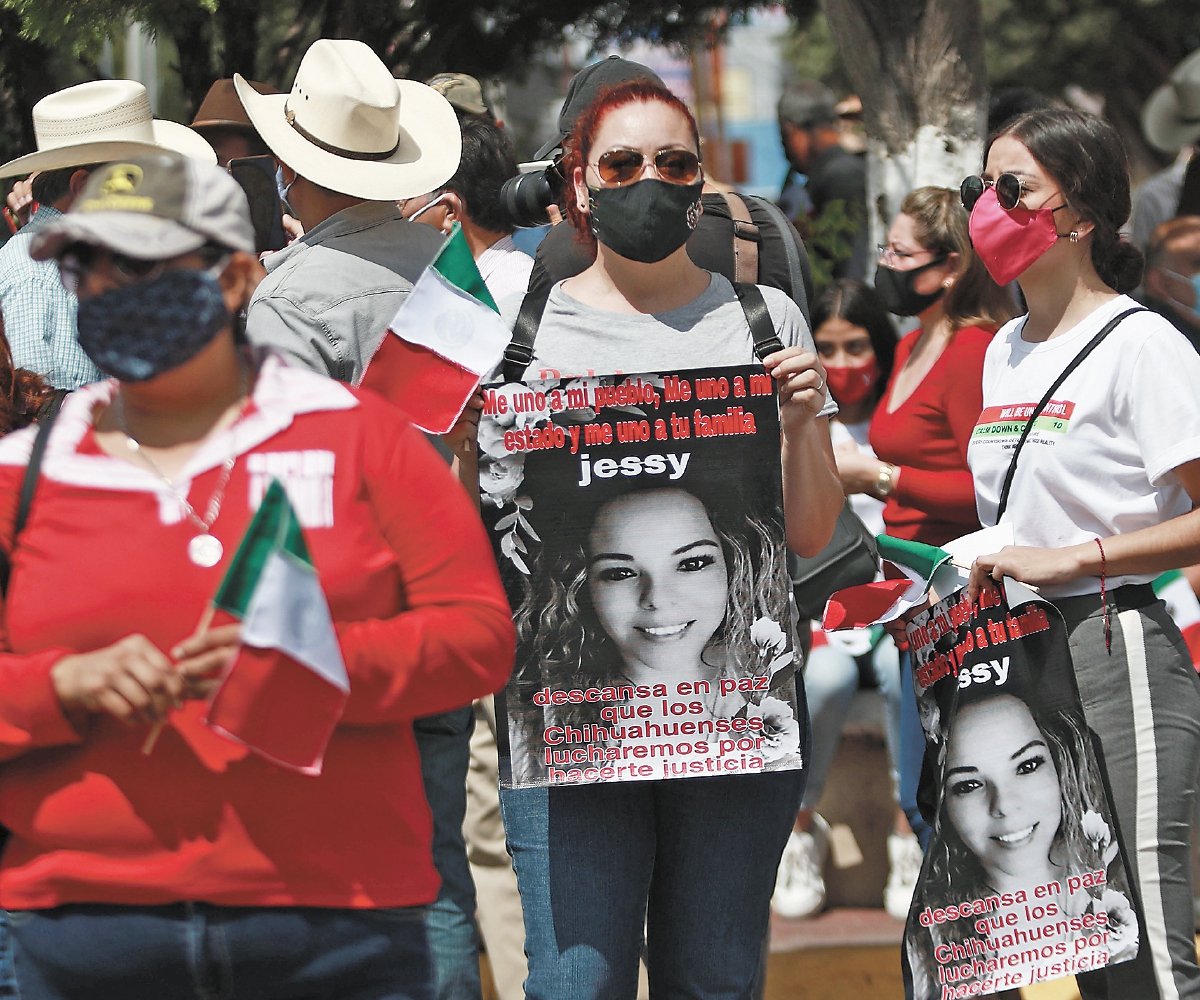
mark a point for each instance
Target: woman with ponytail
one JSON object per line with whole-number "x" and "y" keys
{"x": 1089, "y": 448}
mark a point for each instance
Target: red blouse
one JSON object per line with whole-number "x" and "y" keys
{"x": 927, "y": 437}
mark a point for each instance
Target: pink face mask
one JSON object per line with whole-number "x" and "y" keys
{"x": 1008, "y": 242}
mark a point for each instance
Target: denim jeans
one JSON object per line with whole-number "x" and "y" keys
{"x": 830, "y": 680}
{"x": 8, "y": 979}
{"x": 444, "y": 743}
{"x": 912, "y": 752}
{"x": 691, "y": 859}
{"x": 194, "y": 951}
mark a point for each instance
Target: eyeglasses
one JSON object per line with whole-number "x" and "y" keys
{"x": 79, "y": 259}
{"x": 890, "y": 257}
{"x": 1009, "y": 189}
{"x": 620, "y": 166}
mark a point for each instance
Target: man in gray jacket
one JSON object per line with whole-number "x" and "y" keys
{"x": 351, "y": 141}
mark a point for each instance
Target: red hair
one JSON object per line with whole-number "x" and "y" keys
{"x": 579, "y": 144}
{"x": 21, "y": 392}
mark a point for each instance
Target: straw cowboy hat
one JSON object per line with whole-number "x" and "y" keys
{"x": 350, "y": 126}
{"x": 1171, "y": 117}
{"x": 101, "y": 121}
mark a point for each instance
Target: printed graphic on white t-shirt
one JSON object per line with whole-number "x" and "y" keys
{"x": 1004, "y": 425}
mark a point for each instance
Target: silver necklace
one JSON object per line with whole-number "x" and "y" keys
{"x": 205, "y": 550}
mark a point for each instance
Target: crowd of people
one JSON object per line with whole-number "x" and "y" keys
{"x": 186, "y": 315}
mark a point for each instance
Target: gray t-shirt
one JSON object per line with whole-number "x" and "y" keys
{"x": 708, "y": 332}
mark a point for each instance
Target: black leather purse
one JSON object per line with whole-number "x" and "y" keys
{"x": 851, "y": 558}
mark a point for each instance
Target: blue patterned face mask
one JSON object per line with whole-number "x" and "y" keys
{"x": 138, "y": 331}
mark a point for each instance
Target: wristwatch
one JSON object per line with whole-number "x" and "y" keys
{"x": 885, "y": 481}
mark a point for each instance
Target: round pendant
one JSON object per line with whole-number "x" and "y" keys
{"x": 206, "y": 551}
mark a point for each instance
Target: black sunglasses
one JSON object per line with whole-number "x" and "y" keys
{"x": 79, "y": 258}
{"x": 1009, "y": 188}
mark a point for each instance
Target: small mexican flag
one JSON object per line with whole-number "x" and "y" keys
{"x": 908, "y": 569}
{"x": 1183, "y": 607}
{"x": 286, "y": 690}
{"x": 446, "y": 336}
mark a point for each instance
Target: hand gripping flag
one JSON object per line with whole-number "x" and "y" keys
{"x": 908, "y": 569}
{"x": 286, "y": 690}
{"x": 446, "y": 336}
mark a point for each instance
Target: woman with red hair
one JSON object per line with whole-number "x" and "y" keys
{"x": 690, "y": 859}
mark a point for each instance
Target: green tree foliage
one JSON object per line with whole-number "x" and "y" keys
{"x": 264, "y": 41}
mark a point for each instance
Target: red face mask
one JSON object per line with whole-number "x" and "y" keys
{"x": 1009, "y": 241}
{"x": 850, "y": 386}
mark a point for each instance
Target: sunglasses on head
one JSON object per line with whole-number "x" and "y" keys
{"x": 1009, "y": 188}
{"x": 675, "y": 166}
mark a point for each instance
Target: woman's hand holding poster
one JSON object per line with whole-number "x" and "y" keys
{"x": 1024, "y": 880}
{"x": 638, "y": 525}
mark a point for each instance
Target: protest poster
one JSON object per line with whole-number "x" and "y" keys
{"x": 638, "y": 524}
{"x": 1025, "y": 879}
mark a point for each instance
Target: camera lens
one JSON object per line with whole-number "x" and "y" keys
{"x": 526, "y": 197}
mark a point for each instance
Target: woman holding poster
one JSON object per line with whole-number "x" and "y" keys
{"x": 1089, "y": 447}
{"x": 691, "y": 859}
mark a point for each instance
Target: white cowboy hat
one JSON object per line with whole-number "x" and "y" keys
{"x": 350, "y": 126}
{"x": 98, "y": 122}
{"x": 1171, "y": 117}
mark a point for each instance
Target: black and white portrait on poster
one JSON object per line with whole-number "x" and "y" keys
{"x": 1025, "y": 880}
{"x": 638, "y": 525}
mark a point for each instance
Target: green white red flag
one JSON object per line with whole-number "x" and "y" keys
{"x": 287, "y": 689}
{"x": 908, "y": 570}
{"x": 445, "y": 337}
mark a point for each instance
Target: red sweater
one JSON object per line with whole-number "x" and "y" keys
{"x": 927, "y": 438}
{"x": 421, "y": 618}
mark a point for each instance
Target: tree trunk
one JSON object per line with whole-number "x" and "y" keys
{"x": 918, "y": 67}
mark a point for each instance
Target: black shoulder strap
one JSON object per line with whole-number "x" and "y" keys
{"x": 801, "y": 291}
{"x": 758, "y": 318}
{"x": 518, "y": 355}
{"x": 1037, "y": 410}
{"x": 29, "y": 482}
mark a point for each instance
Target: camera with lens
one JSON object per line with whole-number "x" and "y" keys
{"x": 526, "y": 197}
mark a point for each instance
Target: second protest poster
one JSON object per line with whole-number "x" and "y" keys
{"x": 638, "y": 524}
{"x": 1024, "y": 880}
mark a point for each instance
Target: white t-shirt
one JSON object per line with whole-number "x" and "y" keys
{"x": 1100, "y": 459}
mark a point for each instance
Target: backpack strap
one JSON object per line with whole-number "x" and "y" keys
{"x": 518, "y": 355}
{"x": 746, "y": 238}
{"x": 29, "y": 482}
{"x": 801, "y": 291}
{"x": 1090, "y": 346}
{"x": 758, "y": 318}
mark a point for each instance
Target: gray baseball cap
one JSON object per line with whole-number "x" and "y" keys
{"x": 153, "y": 208}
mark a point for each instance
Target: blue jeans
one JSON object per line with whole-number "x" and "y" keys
{"x": 691, "y": 859}
{"x": 444, "y": 743}
{"x": 830, "y": 680}
{"x": 194, "y": 951}
{"x": 8, "y": 979}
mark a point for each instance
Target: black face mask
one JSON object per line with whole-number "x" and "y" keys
{"x": 646, "y": 221}
{"x": 896, "y": 290}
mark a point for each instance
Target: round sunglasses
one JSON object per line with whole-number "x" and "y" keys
{"x": 620, "y": 166}
{"x": 1009, "y": 188}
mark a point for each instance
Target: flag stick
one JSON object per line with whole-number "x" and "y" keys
{"x": 156, "y": 730}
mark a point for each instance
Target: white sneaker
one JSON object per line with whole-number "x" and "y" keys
{"x": 800, "y": 882}
{"x": 904, "y": 866}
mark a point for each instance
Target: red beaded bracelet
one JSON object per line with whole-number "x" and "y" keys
{"x": 1104, "y": 597}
